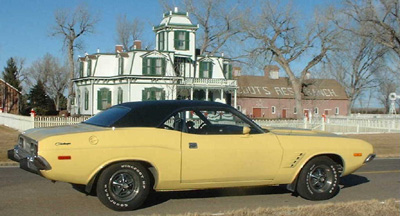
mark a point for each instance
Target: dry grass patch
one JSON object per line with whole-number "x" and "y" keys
{"x": 385, "y": 145}
{"x": 8, "y": 138}
{"x": 355, "y": 208}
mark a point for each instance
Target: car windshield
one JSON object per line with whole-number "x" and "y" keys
{"x": 108, "y": 117}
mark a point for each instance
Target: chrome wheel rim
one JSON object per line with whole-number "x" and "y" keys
{"x": 320, "y": 178}
{"x": 124, "y": 185}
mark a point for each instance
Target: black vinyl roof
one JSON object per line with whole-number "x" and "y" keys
{"x": 173, "y": 104}
{"x": 153, "y": 113}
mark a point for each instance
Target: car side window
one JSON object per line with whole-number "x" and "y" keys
{"x": 213, "y": 122}
{"x": 175, "y": 122}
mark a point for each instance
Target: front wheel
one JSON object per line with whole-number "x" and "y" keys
{"x": 319, "y": 179}
{"x": 123, "y": 186}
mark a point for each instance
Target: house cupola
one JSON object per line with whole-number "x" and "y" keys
{"x": 176, "y": 33}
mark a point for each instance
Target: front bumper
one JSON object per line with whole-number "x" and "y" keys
{"x": 28, "y": 162}
{"x": 369, "y": 158}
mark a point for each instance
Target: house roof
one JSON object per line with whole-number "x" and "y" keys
{"x": 313, "y": 89}
{"x": 1, "y": 80}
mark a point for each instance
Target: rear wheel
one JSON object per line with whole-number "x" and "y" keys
{"x": 319, "y": 179}
{"x": 123, "y": 186}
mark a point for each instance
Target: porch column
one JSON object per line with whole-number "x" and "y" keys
{"x": 206, "y": 94}
{"x": 235, "y": 99}
{"x": 129, "y": 90}
{"x": 191, "y": 93}
{"x": 222, "y": 94}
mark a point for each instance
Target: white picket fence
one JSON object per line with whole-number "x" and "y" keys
{"x": 50, "y": 121}
{"x": 340, "y": 125}
{"x": 23, "y": 123}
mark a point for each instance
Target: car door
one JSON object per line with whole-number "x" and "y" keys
{"x": 215, "y": 149}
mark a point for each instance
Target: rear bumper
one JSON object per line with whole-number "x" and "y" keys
{"x": 28, "y": 162}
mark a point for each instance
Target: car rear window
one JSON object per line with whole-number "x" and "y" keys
{"x": 108, "y": 117}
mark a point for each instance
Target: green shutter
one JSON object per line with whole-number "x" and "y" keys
{"x": 86, "y": 100}
{"x": 109, "y": 97}
{"x": 121, "y": 66}
{"x": 176, "y": 39}
{"x": 186, "y": 40}
{"x": 81, "y": 69}
{"x": 163, "y": 95}
{"x": 144, "y": 66}
{"x": 89, "y": 68}
{"x": 210, "y": 69}
{"x": 99, "y": 107}
{"x": 144, "y": 95}
{"x": 201, "y": 69}
{"x": 230, "y": 71}
{"x": 159, "y": 42}
{"x": 224, "y": 69}
{"x": 152, "y": 66}
{"x": 163, "y": 63}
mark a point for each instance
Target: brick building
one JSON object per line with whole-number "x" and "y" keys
{"x": 9, "y": 98}
{"x": 271, "y": 96}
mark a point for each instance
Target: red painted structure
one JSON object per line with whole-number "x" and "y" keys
{"x": 272, "y": 97}
{"x": 9, "y": 98}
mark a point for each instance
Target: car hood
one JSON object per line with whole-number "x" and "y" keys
{"x": 299, "y": 132}
{"x": 41, "y": 133}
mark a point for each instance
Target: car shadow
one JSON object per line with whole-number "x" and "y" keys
{"x": 157, "y": 198}
{"x": 352, "y": 180}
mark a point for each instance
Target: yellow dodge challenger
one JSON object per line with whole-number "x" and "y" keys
{"x": 126, "y": 151}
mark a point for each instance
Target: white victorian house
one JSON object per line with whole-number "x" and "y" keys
{"x": 172, "y": 71}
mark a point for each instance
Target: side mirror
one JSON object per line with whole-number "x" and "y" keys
{"x": 246, "y": 130}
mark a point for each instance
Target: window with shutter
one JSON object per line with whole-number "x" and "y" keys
{"x": 103, "y": 99}
{"x": 154, "y": 66}
{"x": 206, "y": 69}
{"x": 151, "y": 94}
{"x": 227, "y": 68}
{"x": 181, "y": 40}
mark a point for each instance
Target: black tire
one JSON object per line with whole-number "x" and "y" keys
{"x": 123, "y": 186}
{"x": 319, "y": 179}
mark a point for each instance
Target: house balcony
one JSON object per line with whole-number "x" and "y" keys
{"x": 208, "y": 83}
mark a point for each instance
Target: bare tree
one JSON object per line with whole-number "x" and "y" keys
{"x": 356, "y": 65}
{"x": 54, "y": 76}
{"x": 128, "y": 31}
{"x": 71, "y": 26}
{"x": 276, "y": 32}
{"x": 388, "y": 82}
{"x": 377, "y": 19}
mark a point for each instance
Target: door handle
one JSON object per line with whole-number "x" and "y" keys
{"x": 193, "y": 145}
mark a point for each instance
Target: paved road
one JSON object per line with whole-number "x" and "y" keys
{"x": 23, "y": 193}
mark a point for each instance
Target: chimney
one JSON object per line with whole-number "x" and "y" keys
{"x": 119, "y": 48}
{"x": 137, "y": 44}
{"x": 308, "y": 75}
{"x": 237, "y": 71}
{"x": 271, "y": 71}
